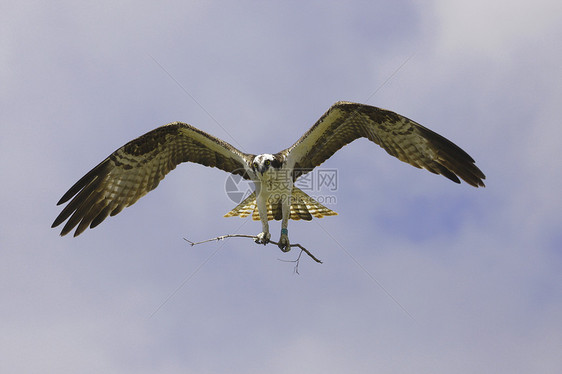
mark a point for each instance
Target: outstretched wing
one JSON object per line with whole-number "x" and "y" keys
{"x": 137, "y": 167}
{"x": 399, "y": 136}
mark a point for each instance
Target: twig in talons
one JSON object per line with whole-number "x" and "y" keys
{"x": 219, "y": 238}
{"x": 254, "y": 237}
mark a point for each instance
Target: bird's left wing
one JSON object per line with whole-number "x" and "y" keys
{"x": 399, "y": 136}
{"x": 137, "y": 167}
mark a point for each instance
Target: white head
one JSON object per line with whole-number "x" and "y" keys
{"x": 266, "y": 161}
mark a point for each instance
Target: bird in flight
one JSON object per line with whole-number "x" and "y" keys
{"x": 137, "y": 167}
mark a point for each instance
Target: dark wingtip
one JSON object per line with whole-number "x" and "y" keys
{"x": 57, "y": 221}
{"x": 65, "y": 230}
{"x": 477, "y": 177}
{"x": 455, "y": 161}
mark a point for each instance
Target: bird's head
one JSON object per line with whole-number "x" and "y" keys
{"x": 264, "y": 162}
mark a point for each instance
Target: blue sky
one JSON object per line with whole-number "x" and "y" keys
{"x": 419, "y": 274}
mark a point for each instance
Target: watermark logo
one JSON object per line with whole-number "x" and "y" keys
{"x": 318, "y": 180}
{"x": 238, "y": 188}
{"x": 320, "y": 183}
{"x": 328, "y": 178}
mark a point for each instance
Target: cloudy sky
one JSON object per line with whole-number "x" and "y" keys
{"x": 419, "y": 275}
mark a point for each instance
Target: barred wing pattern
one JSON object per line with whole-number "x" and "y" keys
{"x": 397, "y": 135}
{"x": 138, "y": 167}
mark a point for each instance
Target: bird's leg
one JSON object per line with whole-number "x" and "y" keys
{"x": 283, "y": 243}
{"x": 264, "y": 236}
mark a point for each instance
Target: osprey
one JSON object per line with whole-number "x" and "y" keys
{"x": 137, "y": 167}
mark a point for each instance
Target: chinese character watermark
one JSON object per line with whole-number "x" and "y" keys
{"x": 319, "y": 183}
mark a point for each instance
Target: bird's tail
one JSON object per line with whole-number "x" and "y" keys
{"x": 302, "y": 207}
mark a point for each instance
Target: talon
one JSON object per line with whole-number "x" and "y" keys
{"x": 262, "y": 238}
{"x": 284, "y": 244}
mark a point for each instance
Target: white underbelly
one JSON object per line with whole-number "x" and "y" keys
{"x": 275, "y": 185}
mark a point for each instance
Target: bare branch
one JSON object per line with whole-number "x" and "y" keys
{"x": 254, "y": 237}
{"x": 297, "y": 262}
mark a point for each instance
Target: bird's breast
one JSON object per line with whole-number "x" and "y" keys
{"x": 275, "y": 182}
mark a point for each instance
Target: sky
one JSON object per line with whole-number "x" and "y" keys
{"x": 419, "y": 274}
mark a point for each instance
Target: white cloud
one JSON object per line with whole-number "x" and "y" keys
{"x": 492, "y": 27}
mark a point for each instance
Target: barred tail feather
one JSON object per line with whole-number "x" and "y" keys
{"x": 245, "y": 208}
{"x": 302, "y": 207}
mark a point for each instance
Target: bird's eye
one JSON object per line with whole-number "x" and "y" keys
{"x": 267, "y": 162}
{"x": 255, "y": 165}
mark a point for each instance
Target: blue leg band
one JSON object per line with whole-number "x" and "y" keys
{"x": 284, "y": 232}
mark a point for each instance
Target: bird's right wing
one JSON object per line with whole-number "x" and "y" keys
{"x": 137, "y": 167}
